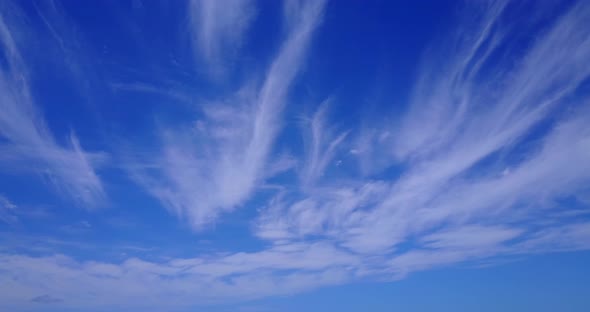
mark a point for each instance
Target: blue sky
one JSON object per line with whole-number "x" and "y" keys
{"x": 241, "y": 155}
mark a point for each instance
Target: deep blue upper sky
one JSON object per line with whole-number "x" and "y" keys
{"x": 227, "y": 155}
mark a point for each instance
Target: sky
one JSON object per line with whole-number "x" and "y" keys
{"x": 257, "y": 155}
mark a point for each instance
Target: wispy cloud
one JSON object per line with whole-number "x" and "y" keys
{"x": 28, "y": 141}
{"x": 321, "y": 145}
{"x": 218, "y": 28}
{"x": 46, "y": 299}
{"x": 494, "y": 136}
{"x": 280, "y": 270}
{"x": 457, "y": 148}
{"x": 215, "y": 164}
{"x": 7, "y": 211}
{"x": 203, "y": 280}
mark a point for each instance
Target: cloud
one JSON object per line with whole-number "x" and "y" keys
{"x": 320, "y": 144}
{"x": 326, "y": 212}
{"x": 7, "y": 211}
{"x": 28, "y": 142}
{"x": 176, "y": 283}
{"x": 46, "y": 299}
{"x": 279, "y": 270}
{"x": 466, "y": 121}
{"x": 494, "y": 138}
{"x": 218, "y": 28}
{"x": 469, "y": 237}
{"x": 216, "y": 164}
{"x": 568, "y": 237}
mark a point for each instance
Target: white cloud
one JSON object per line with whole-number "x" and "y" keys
{"x": 465, "y": 120}
{"x": 568, "y": 237}
{"x": 326, "y": 212}
{"x": 218, "y": 27}
{"x": 469, "y": 237}
{"x": 443, "y": 177}
{"x": 28, "y": 141}
{"x": 217, "y": 164}
{"x": 465, "y": 188}
{"x": 174, "y": 284}
{"x": 321, "y": 145}
{"x": 7, "y": 211}
{"x": 279, "y": 270}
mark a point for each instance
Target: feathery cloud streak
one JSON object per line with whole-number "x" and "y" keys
{"x": 215, "y": 164}
{"x": 218, "y": 27}
{"x": 457, "y": 143}
{"x": 494, "y": 136}
{"x": 28, "y": 142}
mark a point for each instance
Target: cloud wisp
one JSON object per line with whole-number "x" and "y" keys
{"x": 7, "y": 211}
{"x": 27, "y": 141}
{"x": 216, "y": 163}
{"x": 180, "y": 282}
{"x": 217, "y": 29}
{"x": 494, "y": 137}
{"x": 459, "y": 147}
